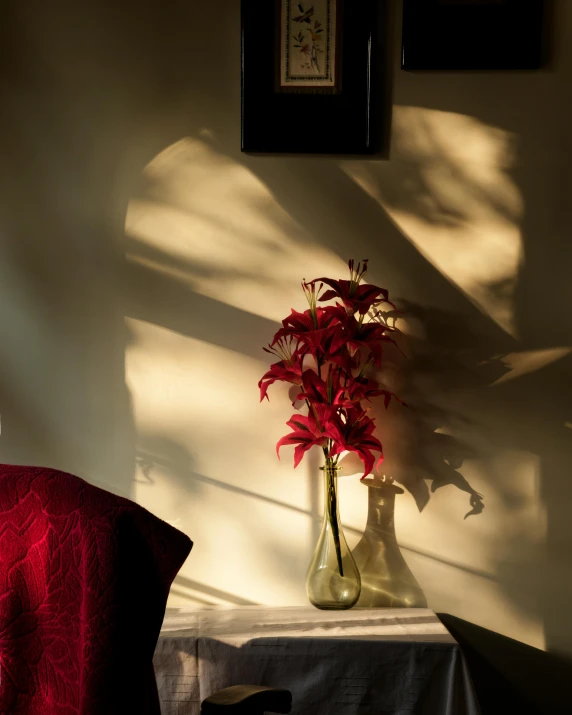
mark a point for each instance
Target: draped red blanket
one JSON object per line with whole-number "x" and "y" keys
{"x": 84, "y": 579}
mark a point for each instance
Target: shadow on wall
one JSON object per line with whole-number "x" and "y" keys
{"x": 470, "y": 218}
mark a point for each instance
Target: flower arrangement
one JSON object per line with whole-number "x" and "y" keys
{"x": 327, "y": 353}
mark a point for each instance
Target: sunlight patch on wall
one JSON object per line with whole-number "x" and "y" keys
{"x": 528, "y": 361}
{"x": 205, "y": 451}
{"x": 448, "y": 188}
{"x": 206, "y": 219}
{"x": 203, "y": 394}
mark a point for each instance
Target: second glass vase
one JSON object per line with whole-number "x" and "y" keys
{"x": 387, "y": 581}
{"x": 333, "y": 580}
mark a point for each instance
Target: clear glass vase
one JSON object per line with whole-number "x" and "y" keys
{"x": 333, "y": 580}
{"x": 387, "y": 581}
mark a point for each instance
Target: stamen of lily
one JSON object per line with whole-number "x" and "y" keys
{"x": 353, "y": 279}
{"x": 282, "y": 349}
{"x": 310, "y": 293}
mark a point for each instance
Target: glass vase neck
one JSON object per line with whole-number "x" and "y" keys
{"x": 381, "y": 506}
{"x": 331, "y": 468}
{"x": 330, "y": 473}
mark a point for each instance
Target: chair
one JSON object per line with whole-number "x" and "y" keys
{"x": 84, "y": 580}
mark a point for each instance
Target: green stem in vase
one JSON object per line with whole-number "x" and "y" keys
{"x": 332, "y": 510}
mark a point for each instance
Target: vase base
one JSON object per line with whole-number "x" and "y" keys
{"x": 337, "y": 607}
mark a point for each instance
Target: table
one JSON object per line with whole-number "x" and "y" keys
{"x": 357, "y": 662}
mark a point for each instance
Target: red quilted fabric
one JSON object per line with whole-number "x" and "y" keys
{"x": 84, "y": 579}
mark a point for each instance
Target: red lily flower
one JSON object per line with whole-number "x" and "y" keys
{"x": 280, "y": 371}
{"x": 307, "y": 431}
{"x": 287, "y": 369}
{"x": 362, "y": 388}
{"x": 330, "y": 391}
{"x": 341, "y": 342}
{"x": 357, "y": 335}
{"x": 355, "y": 297}
{"x": 315, "y": 329}
{"x": 356, "y": 435}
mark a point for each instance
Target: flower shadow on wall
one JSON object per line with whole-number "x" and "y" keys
{"x": 426, "y": 450}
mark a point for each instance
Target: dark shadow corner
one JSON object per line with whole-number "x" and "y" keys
{"x": 509, "y": 676}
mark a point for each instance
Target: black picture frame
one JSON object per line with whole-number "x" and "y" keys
{"x": 343, "y": 119}
{"x": 472, "y": 34}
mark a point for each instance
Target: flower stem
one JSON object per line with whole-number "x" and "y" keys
{"x": 332, "y": 509}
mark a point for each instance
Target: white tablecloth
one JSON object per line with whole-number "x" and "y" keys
{"x": 358, "y": 662}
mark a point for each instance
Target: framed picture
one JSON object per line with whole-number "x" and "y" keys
{"x": 311, "y": 76}
{"x": 472, "y": 34}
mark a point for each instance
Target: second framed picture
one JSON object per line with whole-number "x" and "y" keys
{"x": 472, "y": 34}
{"x": 311, "y": 76}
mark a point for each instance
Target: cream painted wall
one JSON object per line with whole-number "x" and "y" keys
{"x": 145, "y": 261}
